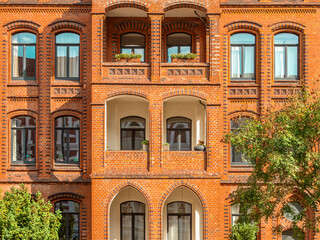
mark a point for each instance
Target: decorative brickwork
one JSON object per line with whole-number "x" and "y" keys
{"x": 22, "y": 24}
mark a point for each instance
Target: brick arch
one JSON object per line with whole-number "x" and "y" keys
{"x": 128, "y": 92}
{"x": 66, "y": 195}
{"x": 245, "y": 113}
{"x": 127, "y": 4}
{"x": 66, "y": 24}
{"x": 180, "y": 25}
{"x": 66, "y": 111}
{"x": 21, "y": 24}
{"x": 196, "y": 191}
{"x": 243, "y": 25}
{"x": 287, "y": 25}
{"x": 184, "y": 92}
{"x": 132, "y": 25}
{"x": 195, "y": 4}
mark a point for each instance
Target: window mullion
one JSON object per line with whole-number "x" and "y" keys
{"x": 68, "y": 49}
{"x": 23, "y": 145}
{"x": 285, "y": 61}
{"x": 24, "y": 62}
{"x": 68, "y": 144}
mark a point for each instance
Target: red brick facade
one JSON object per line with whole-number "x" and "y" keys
{"x": 104, "y": 172}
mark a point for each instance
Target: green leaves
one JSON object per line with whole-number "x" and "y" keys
{"x": 244, "y": 231}
{"x": 25, "y": 217}
{"x": 283, "y": 147}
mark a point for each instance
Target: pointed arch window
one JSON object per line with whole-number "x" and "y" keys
{"x": 289, "y": 235}
{"x": 132, "y": 132}
{"x": 24, "y": 56}
{"x": 179, "y": 221}
{"x": 133, "y": 220}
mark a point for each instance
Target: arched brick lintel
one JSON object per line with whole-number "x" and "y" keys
{"x": 199, "y": 5}
{"x": 132, "y": 25}
{"x": 184, "y": 25}
{"x": 66, "y": 24}
{"x": 128, "y": 92}
{"x": 127, "y": 4}
{"x": 243, "y": 25}
{"x": 193, "y": 188}
{"x": 66, "y": 195}
{"x": 21, "y": 24}
{"x": 184, "y": 92}
{"x": 287, "y": 25}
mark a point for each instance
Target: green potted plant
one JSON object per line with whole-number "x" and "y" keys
{"x": 166, "y": 147}
{"x": 145, "y": 145}
{"x": 180, "y": 57}
{"x": 60, "y": 158}
{"x": 200, "y": 146}
{"x": 175, "y": 58}
{"x": 122, "y": 57}
{"x": 191, "y": 57}
{"x": 136, "y": 58}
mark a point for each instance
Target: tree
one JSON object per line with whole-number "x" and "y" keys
{"x": 283, "y": 147}
{"x": 244, "y": 231}
{"x": 23, "y": 216}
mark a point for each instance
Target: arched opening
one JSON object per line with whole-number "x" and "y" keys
{"x": 182, "y": 216}
{"x": 128, "y": 216}
{"x": 184, "y": 120}
{"x": 127, "y": 120}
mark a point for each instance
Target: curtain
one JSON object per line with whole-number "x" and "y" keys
{"x": 17, "y": 63}
{"x": 126, "y": 227}
{"x": 138, "y": 227}
{"x": 173, "y": 228}
{"x": 61, "y": 61}
{"x": 74, "y": 61}
{"x": 279, "y": 62}
{"x": 248, "y": 55}
{"x": 184, "y": 228}
{"x": 235, "y": 62}
{"x": 292, "y": 62}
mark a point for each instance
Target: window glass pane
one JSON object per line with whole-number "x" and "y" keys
{"x": 60, "y": 146}
{"x": 181, "y": 39}
{"x": 132, "y": 40}
{"x": 292, "y": 62}
{"x": 30, "y": 61}
{"x": 279, "y": 62}
{"x": 236, "y": 156}
{"x": 59, "y": 122}
{"x": 140, "y": 51}
{"x": 74, "y": 62}
{"x": 74, "y": 145}
{"x": 17, "y": 144}
{"x": 139, "y": 227}
{"x": 288, "y": 235}
{"x": 236, "y": 62}
{"x": 61, "y": 61}
{"x": 17, "y": 61}
{"x": 74, "y": 226}
{"x": 67, "y": 206}
{"x": 72, "y": 122}
{"x": 296, "y": 208}
{"x": 173, "y": 228}
{"x": 172, "y": 139}
{"x": 69, "y": 38}
{"x": 179, "y": 207}
{"x": 126, "y": 227}
{"x": 248, "y": 61}
{"x": 286, "y": 38}
{"x": 126, "y": 50}
{"x": 24, "y": 37}
{"x": 172, "y": 50}
{"x": 133, "y": 123}
{"x": 132, "y": 207}
{"x": 126, "y": 140}
{"x": 185, "y": 140}
{"x": 139, "y": 137}
{"x": 179, "y": 123}
{"x": 185, "y": 49}
{"x": 243, "y": 38}
{"x": 185, "y": 228}
{"x": 30, "y": 145}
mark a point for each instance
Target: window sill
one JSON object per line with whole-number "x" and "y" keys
{"x": 286, "y": 82}
{"x": 66, "y": 167}
{"x": 243, "y": 82}
{"x": 14, "y": 83}
{"x": 241, "y": 167}
{"x": 121, "y": 64}
{"x": 185, "y": 64}
{"x": 23, "y": 167}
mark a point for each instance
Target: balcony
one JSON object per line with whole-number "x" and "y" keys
{"x": 184, "y": 72}
{"x": 123, "y": 162}
{"x": 126, "y": 72}
{"x": 183, "y": 160}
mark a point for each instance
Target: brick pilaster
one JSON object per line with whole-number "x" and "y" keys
{"x": 214, "y": 47}
{"x": 156, "y": 26}
{"x": 97, "y": 45}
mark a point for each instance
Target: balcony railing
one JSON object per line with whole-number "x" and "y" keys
{"x": 183, "y": 160}
{"x": 126, "y": 160}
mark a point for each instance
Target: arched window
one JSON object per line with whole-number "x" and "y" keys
{"x": 67, "y": 140}
{"x": 178, "y": 43}
{"x": 179, "y": 133}
{"x": 236, "y": 124}
{"x": 286, "y": 54}
{"x": 23, "y": 140}
{"x": 68, "y": 56}
{"x": 289, "y": 235}
{"x": 243, "y": 56}
{"x": 294, "y": 210}
{"x": 70, "y": 210}
{"x": 24, "y": 56}
{"x": 132, "y": 220}
{"x": 179, "y": 221}
{"x": 132, "y": 133}
{"x": 133, "y": 43}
